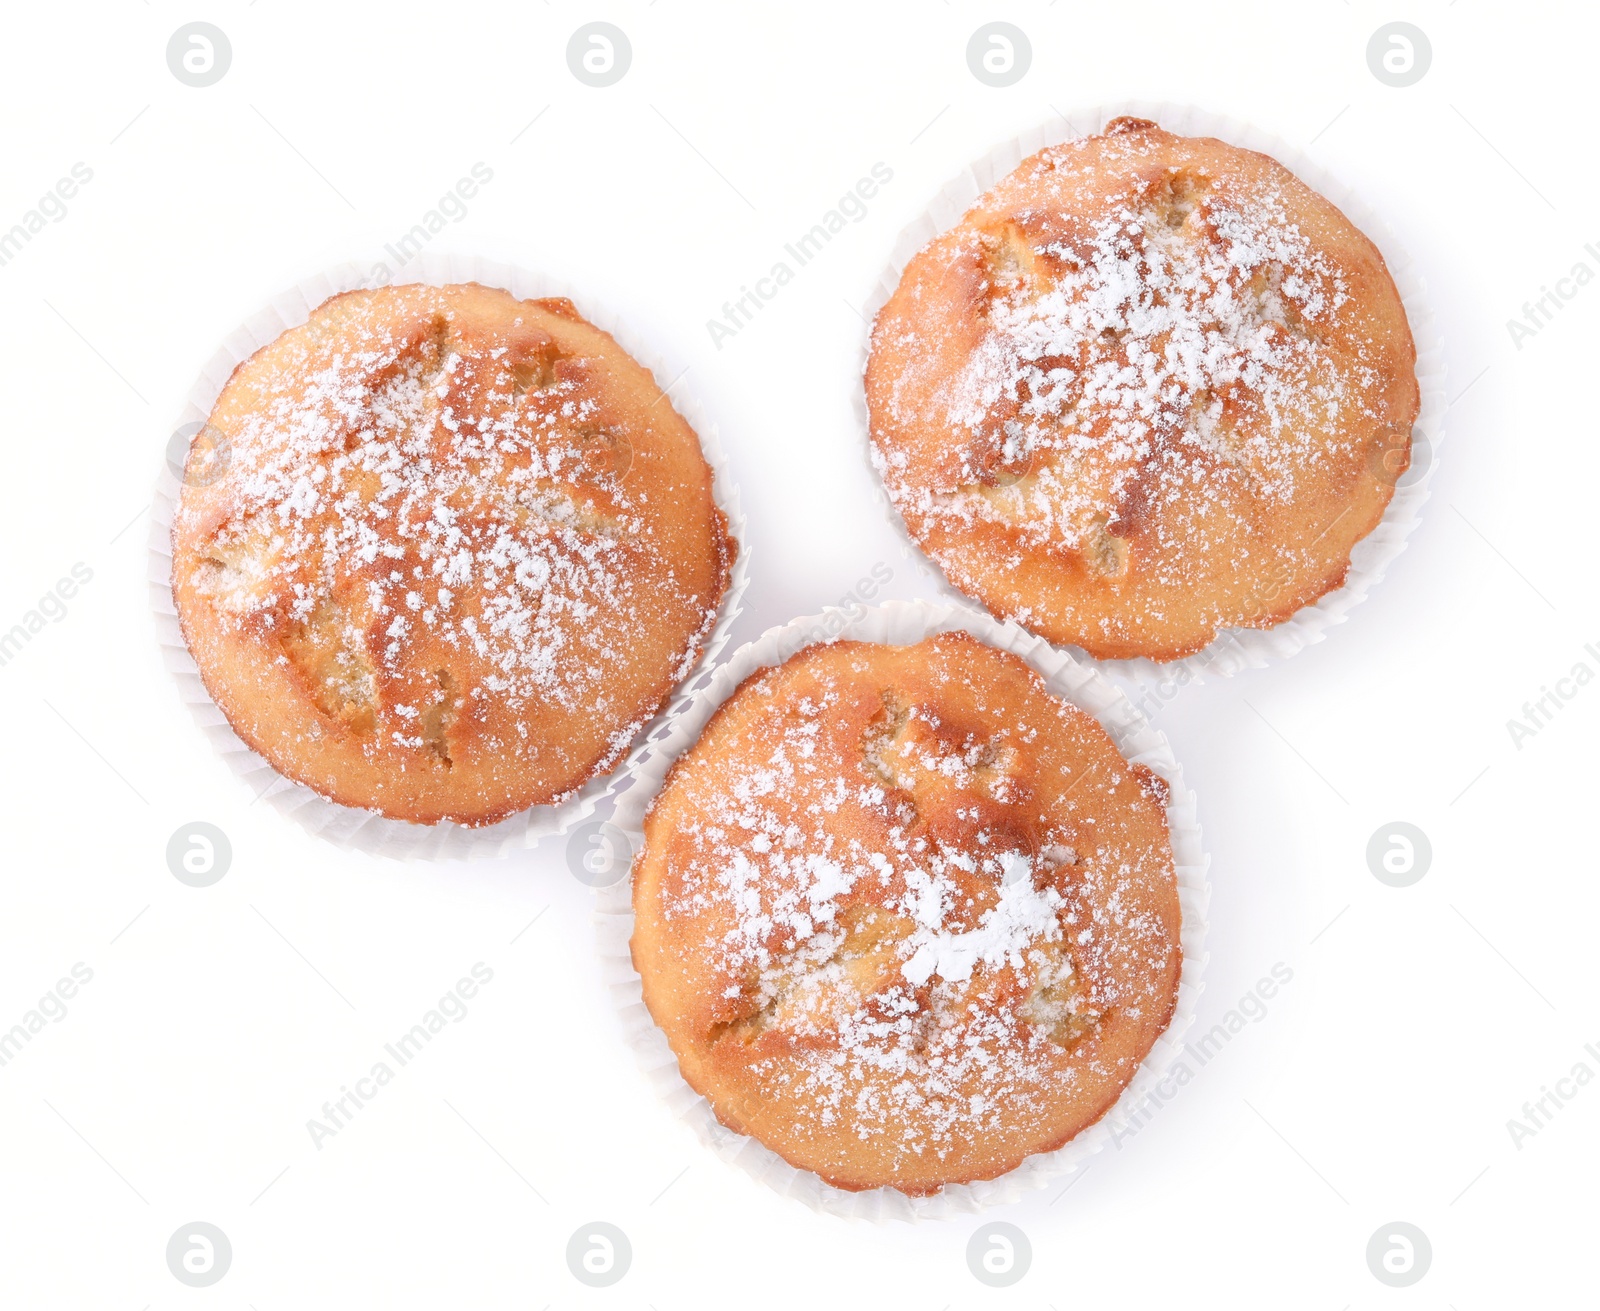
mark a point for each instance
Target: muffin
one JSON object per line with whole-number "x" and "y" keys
{"x": 904, "y": 916}
{"x": 1149, "y": 387}
{"x": 444, "y": 552}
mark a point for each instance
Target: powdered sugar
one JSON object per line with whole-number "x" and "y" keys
{"x": 1179, "y": 336}
{"x": 1141, "y": 391}
{"x": 433, "y": 530}
{"x": 349, "y": 471}
{"x": 617, "y": 928}
{"x": 891, "y": 943}
{"x": 1023, "y": 915}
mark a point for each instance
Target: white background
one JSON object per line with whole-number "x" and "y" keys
{"x": 1379, "y": 1084}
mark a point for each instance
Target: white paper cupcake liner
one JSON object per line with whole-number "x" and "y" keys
{"x": 901, "y": 623}
{"x": 366, "y": 830}
{"x": 1234, "y": 649}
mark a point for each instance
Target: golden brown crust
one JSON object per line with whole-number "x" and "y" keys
{"x": 460, "y": 550}
{"x": 904, "y": 916}
{"x": 1149, "y": 387}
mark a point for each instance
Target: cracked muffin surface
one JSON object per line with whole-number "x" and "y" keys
{"x": 906, "y": 917}
{"x": 1148, "y": 388}
{"x": 441, "y": 553}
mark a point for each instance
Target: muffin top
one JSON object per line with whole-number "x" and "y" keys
{"x": 442, "y": 552}
{"x": 906, "y": 917}
{"x": 1149, "y": 387}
